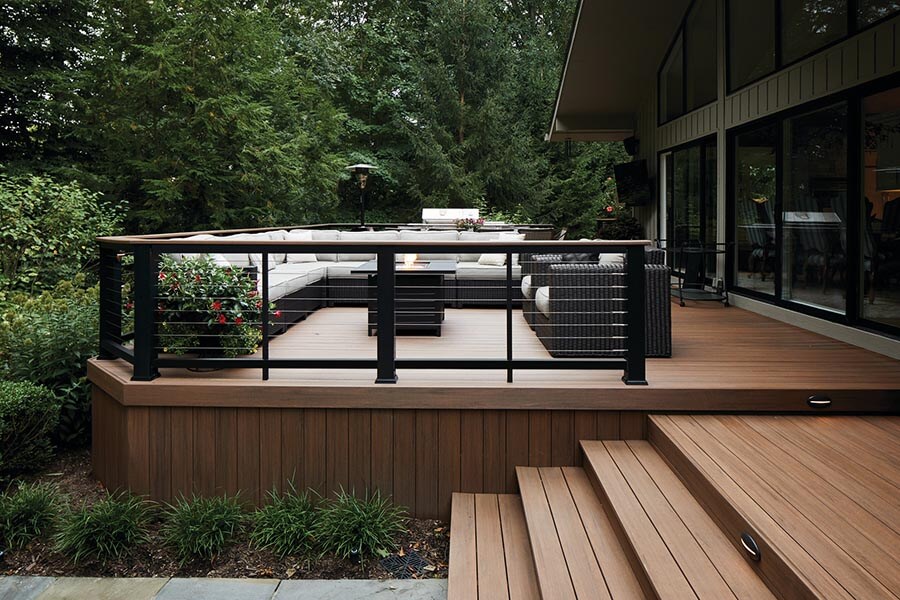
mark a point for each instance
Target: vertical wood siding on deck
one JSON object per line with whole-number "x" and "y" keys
{"x": 419, "y": 457}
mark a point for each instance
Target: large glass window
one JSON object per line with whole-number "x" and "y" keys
{"x": 671, "y": 83}
{"x": 751, "y": 34}
{"x": 691, "y": 199}
{"x": 880, "y": 224}
{"x": 814, "y": 218}
{"x": 755, "y": 199}
{"x": 807, "y": 25}
{"x": 872, "y": 11}
{"x": 701, "y": 51}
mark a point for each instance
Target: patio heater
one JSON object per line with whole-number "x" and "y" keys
{"x": 361, "y": 171}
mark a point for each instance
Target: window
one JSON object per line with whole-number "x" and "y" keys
{"x": 755, "y": 199}
{"x": 872, "y": 11}
{"x": 691, "y": 198}
{"x": 688, "y": 77}
{"x": 879, "y": 255}
{"x": 814, "y": 218}
{"x": 807, "y": 25}
{"x": 700, "y": 49}
{"x": 751, "y": 35}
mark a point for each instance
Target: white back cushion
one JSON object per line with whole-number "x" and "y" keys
{"x": 299, "y": 235}
{"x": 429, "y": 236}
{"x": 326, "y": 235}
{"x": 475, "y": 236}
{"x": 358, "y": 236}
{"x": 500, "y": 259}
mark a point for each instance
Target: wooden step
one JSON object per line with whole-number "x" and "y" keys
{"x": 681, "y": 551}
{"x": 576, "y": 551}
{"x": 747, "y": 473}
{"x": 490, "y": 553}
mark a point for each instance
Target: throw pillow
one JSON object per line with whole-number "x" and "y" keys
{"x": 498, "y": 260}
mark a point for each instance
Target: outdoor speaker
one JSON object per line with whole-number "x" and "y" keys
{"x": 631, "y": 145}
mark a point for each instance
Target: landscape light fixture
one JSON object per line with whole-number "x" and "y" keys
{"x": 361, "y": 171}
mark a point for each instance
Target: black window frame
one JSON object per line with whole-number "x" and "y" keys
{"x": 679, "y": 36}
{"x": 853, "y": 29}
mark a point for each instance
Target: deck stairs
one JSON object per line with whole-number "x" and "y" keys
{"x": 654, "y": 518}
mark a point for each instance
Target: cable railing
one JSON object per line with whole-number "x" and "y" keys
{"x": 210, "y": 301}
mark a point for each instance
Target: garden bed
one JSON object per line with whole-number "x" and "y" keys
{"x": 71, "y": 472}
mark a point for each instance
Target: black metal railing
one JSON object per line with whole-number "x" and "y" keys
{"x": 131, "y": 293}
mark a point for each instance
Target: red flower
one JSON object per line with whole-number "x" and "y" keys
{"x": 259, "y": 304}
{"x": 129, "y": 306}
{"x": 609, "y": 209}
{"x": 252, "y": 293}
{"x": 278, "y": 313}
{"x": 238, "y": 320}
{"x": 222, "y": 319}
{"x": 197, "y": 278}
{"x": 162, "y": 275}
{"x": 216, "y": 305}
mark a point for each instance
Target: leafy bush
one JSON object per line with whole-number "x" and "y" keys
{"x": 109, "y": 529}
{"x": 625, "y": 227}
{"x": 48, "y": 230}
{"x": 28, "y": 414}
{"x": 47, "y": 339}
{"x": 201, "y": 303}
{"x": 286, "y": 525}
{"x": 27, "y": 514}
{"x": 367, "y": 526}
{"x": 202, "y": 527}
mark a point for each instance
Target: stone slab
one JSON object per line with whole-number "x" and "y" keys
{"x": 103, "y": 588}
{"x": 362, "y": 589}
{"x": 23, "y": 588}
{"x": 218, "y": 589}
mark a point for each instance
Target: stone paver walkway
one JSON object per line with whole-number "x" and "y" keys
{"x": 95, "y": 588}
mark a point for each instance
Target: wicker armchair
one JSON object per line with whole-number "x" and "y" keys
{"x": 579, "y": 310}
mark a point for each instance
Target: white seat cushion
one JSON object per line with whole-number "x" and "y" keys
{"x": 314, "y": 271}
{"x": 299, "y": 235}
{"x": 612, "y": 258}
{"x": 474, "y": 270}
{"x": 542, "y": 300}
{"x": 342, "y": 269}
{"x": 283, "y": 284}
{"x": 500, "y": 259}
{"x": 429, "y": 236}
{"x": 527, "y": 290}
{"x": 366, "y": 236}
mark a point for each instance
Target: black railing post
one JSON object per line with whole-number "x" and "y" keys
{"x": 385, "y": 304}
{"x": 635, "y": 368}
{"x": 145, "y": 299}
{"x": 509, "y": 336}
{"x": 110, "y": 299}
{"x": 264, "y": 276}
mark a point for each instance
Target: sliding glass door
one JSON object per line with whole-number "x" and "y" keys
{"x": 690, "y": 192}
{"x": 756, "y": 243}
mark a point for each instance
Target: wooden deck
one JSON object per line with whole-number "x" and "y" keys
{"x": 724, "y": 359}
{"x": 664, "y": 518}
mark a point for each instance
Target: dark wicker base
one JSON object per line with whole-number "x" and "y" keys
{"x": 486, "y": 292}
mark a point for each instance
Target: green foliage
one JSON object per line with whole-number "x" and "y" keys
{"x": 109, "y": 529}
{"x": 368, "y": 526}
{"x": 47, "y": 339}
{"x": 28, "y": 415}
{"x": 202, "y": 527}
{"x": 48, "y": 230}
{"x": 286, "y": 525}
{"x": 625, "y": 227}
{"x": 200, "y": 301}
{"x": 27, "y": 514}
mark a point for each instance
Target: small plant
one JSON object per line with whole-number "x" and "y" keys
{"x": 28, "y": 415}
{"x": 286, "y": 525}
{"x": 109, "y": 529}
{"x": 27, "y": 514}
{"x": 368, "y": 526}
{"x": 202, "y": 527}
{"x": 469, "y": 223}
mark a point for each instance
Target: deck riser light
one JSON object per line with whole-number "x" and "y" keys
{"x": 750, "y": 547}
{"x": 818, "y": 401}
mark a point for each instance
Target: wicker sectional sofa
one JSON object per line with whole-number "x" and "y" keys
{"x": 577, "y": 308}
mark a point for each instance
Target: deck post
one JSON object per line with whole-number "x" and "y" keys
{"x": 264, "y": 314}
{"x": 145, "y": 281}
{"x": 509, "y": 324}
{"x": 110, "y": 300}
{"x": 635, "y": 349}
{"x": 387, "y": 331}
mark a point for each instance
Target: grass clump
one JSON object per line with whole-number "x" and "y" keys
{"x": 27, "y": 514}
{"x": 108, "y": 529}
{"x": 286, "y": 525}
{"x": 202, "y": 527}
{"x": 367, "y": 526}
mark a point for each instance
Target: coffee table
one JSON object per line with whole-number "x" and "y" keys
{"x": 419, "y": 294}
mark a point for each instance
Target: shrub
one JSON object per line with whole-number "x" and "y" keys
{"x": 201, "y": 303}
{"x": 47, "y": 339}
{"x": 28, "y": 414}
{"x": 367, "y": 526}
{"x": 27, "y": 514}
{"x": 202, "y": 527}
{"x": 286, "y": 525}
{"x": 110, "y": 528}
{"x": 48, "y": 230}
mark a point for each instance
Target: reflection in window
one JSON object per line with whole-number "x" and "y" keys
{"x": 700, "y": 47}
{"x": 751, "y": 29}
{"x": 755, "y": 197}
{"x": 814, "y": 191}
{"x": 691, "y": 199}
{"x": 807, "y": 25}
{"x": 871, "y": 11}
{"x": 880, "y": 235}
{"x": 671, "y": 93}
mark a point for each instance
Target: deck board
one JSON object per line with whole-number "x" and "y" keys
{"x": 723, "y": 359}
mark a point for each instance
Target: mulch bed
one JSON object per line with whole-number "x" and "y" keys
{"x": 71, "y": 471}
